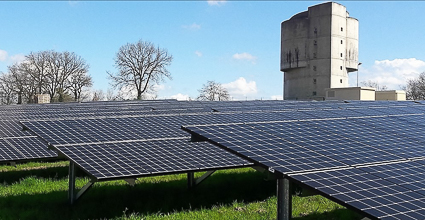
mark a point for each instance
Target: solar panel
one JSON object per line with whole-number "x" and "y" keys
{"x": 8, "y": 153}
{"x": 23, "y": 148}
{"x": 267, "y": 149}
{"x": 366, "y": 192}
{"x": 143, "y": 158}
{"x": 31, "y": 147}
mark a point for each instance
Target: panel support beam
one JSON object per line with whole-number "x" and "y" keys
{"x": 203, "y": 177}
{"x": 284, "y": 199}
{"x": 72, "y": 196}
{"x": 192, "y": 182}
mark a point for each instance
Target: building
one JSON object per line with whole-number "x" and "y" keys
{"x": 351, "y": 93}
{"x": 319, "y": 47}
{"x": 397, "y": 95}
{"x": 364, "y": 93}
{"x": 42, "y": 98}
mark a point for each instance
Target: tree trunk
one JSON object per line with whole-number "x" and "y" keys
{"x": 75, "y": 96}
{"x": 19, "y": 97}
{"x": 139, "y": 95}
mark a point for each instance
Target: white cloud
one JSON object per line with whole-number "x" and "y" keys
{"x": 3, "y": 55}
{"x": 240, "y": 88}
{"x": 199, "y": 54}
{"x": 193, "y": 26}
{"x": 244, "y": 56}
{"x": 276, "y": 97}
{"x": 73, "y": 3}
{"x": 180, "y": 97}
{"x": 17, "y": 58}
{"x": 392, "y": 73}
{"x": 216, "y": 2}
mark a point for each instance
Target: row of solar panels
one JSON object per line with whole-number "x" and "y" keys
{"x": 168, "y": 126}
{"x": 51, "y": 111}
{"x": 372, "y": 164}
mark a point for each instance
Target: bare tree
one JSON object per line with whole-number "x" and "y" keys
{"x": 85, "y": 95}
{"x": 76, "y": 82}
{"x": 24, "y": 84}
{"x": 98, "y": 95}
{"x": 415, "y": 88}
{"x": 111, "y": 95}
{"x": 138, "y": 65}
{"x": 56, "y": 73}
{"x": 213, "y": 91}
{"x": 7, "y": 88}
{"x": 374, "y": 84}
{"x": 66, "y": 70}
{"x": 36, "y": 65}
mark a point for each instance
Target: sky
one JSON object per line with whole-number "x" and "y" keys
{"x": 235, "y": 43}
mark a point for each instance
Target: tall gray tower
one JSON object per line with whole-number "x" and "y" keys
{"x": 319, "y": 47}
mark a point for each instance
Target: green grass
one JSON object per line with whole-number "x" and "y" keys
{"x": 39, "y": 191}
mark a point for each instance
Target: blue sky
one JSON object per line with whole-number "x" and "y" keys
{"x": 236, "y": 43}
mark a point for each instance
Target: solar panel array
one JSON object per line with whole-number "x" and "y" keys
{"x": 309, "y": 142}
{"x": 369, "y": 157}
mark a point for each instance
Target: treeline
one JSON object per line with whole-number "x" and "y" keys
{"x": 61, "y": 75}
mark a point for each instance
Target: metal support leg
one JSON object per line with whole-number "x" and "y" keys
{"x": 190, "y": 180}
{"x": 71, "y": 182}
{"x": 71, "y": 190}
{"x": 284, "y": 199}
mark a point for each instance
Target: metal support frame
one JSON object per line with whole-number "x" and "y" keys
{"x": 191, "y": 181}
{"x": 71, "y": 187}
{"x": 284, "y": 199}
{"x": 203, "y": 177}
{"x": 132, "y": 182}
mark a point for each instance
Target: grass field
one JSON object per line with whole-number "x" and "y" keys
{"x": 39, "y": 191}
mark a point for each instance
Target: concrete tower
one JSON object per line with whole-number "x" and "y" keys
{"x": 319, "y": 47}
